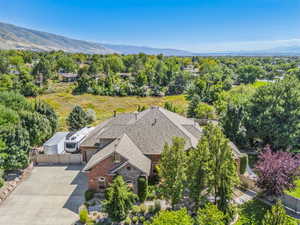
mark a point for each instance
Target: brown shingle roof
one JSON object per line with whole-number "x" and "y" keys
{"x": 127, "y": 149}
{"x": 149, "y": 130}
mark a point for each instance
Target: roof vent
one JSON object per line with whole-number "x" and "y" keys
{"x": 154, "y": 122}
{"x": 136, "y": 115}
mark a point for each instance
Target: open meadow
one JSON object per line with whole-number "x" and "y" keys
{"x": 63, "y": 102}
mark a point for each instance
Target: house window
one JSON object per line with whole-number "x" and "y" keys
{"x": 117, "y": 158}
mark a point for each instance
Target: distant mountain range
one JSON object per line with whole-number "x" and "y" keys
{"x": 14, "y": 37}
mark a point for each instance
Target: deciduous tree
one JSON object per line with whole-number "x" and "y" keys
{"x": 274, "y": 115}
{"x": 276, "y": 171}
{"x": 199, "y": 171}
{"x": 205, "y": 111}
{"x": 172, "y": 170}
{"x": 210, "y": 215}
{"x": 14, "y": 154}
{"x": 224, "y": 172}
{"x": 180, "y": 217}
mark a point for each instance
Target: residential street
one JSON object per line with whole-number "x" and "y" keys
{"x": 50, "y": 196}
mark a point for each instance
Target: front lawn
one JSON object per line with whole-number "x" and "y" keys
{"x": 296, "y": 191}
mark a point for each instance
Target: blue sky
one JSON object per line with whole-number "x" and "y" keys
{"x": 195, "y": 25}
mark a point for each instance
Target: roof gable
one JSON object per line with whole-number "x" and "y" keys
{"x": 127, "y": 149}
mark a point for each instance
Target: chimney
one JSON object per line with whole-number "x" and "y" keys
{"x": 115, "y": 113}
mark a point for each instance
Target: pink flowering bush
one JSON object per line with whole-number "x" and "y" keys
{"x": 276, "y": 171}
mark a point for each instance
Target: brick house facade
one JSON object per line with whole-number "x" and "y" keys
{"x": 138, "y": 138}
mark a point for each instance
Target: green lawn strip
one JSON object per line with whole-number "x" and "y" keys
{"x": 296, "y": 191}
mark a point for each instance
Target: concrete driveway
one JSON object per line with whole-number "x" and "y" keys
{"x": 50, "y": 196}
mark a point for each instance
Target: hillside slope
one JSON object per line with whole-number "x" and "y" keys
{"x": 14, "y": 37}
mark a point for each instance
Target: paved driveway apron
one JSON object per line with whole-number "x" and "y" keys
{"x": 50, "y": 196}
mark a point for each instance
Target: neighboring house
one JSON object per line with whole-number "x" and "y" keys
{"x": 192, "y": 70}
{"x": 130, "y": 144}
{"x": 56, "y": 144}
{"x": 69, "y": 77}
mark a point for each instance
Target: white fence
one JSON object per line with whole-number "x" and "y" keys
{"x": 58, "y": 159}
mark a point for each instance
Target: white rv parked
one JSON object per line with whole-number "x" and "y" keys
{"x": 74, "y": 139}
{"x": 55, "y": 145}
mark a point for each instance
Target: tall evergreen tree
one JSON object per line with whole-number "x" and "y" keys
{"x": 77, "y": 119}
{"x": 172, "y": 170}
{"x": 119, "y": 199}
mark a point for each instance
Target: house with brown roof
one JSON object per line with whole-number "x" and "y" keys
{"x": 130, "y": 144}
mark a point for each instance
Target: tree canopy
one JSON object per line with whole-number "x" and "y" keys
{"x": 119, "y": 199}
{"x": 180, "y": 217}
{"x": 172, "y": 168}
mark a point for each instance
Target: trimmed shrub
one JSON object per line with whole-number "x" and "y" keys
{"x": 142, "y": 188}
{"x": 135, "y": 219}
{"x": 1, "y": 182}
{"x": 127, "y": 221}
{"x": 1, "y": 178}
{"x": 83, "y": 214}
{"x": 143, "y": 209}
{"x": 157, "y": 206}
{"x": 243, "y": 164}
{"x": 142, "y": 219}
{"x": 135, "y": 209}
{"x": 89, "y": 221}
{"x": 89, "y": 194}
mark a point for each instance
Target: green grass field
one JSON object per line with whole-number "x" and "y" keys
{"x": 296, "y": 191}
{"x": 63, "y": 102}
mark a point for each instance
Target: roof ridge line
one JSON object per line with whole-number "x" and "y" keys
{"x": 182, "y": 130}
